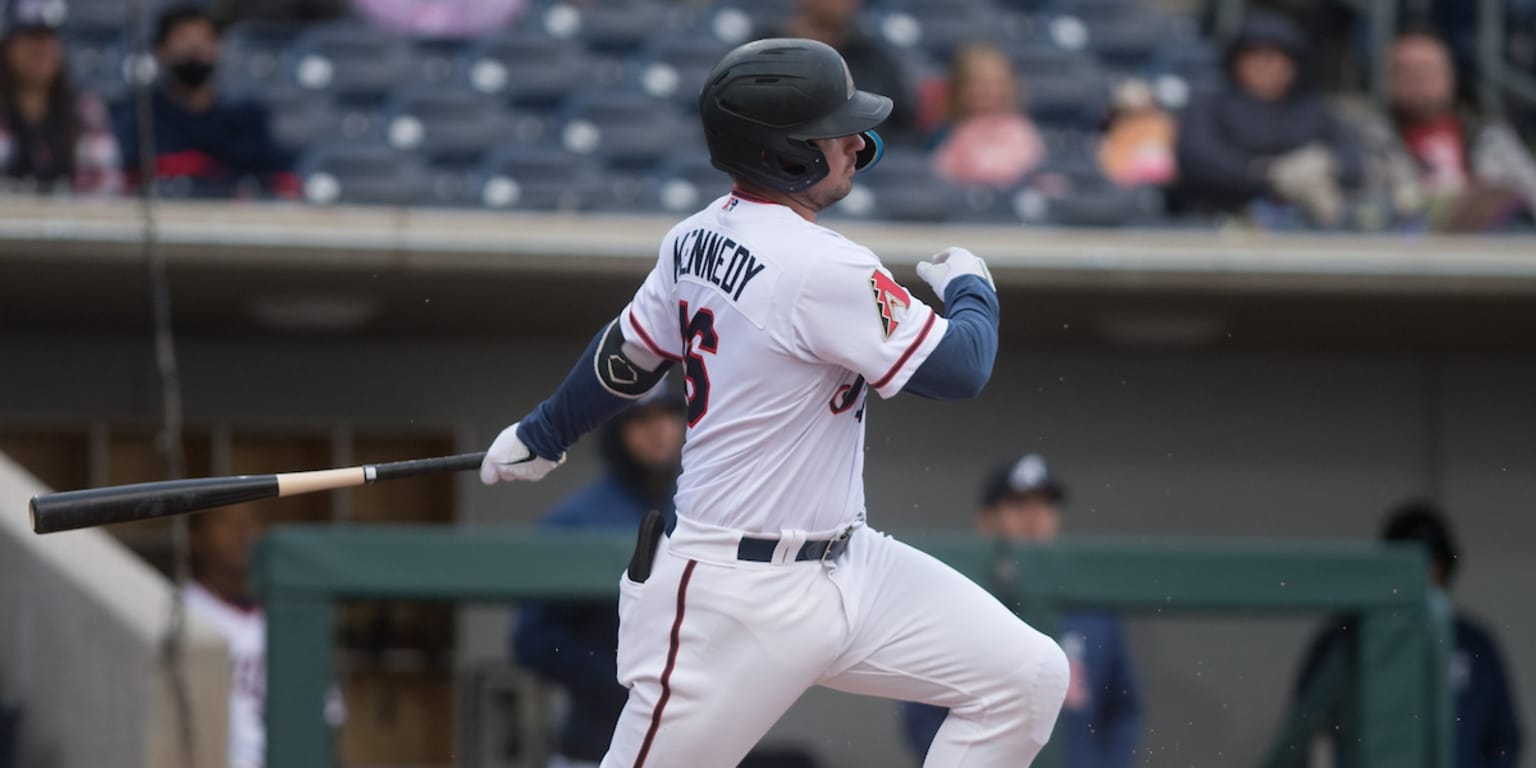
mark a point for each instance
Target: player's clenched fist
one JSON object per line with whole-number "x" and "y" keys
{"x": 509, "y": 460}
{"x": 949, "y": 264}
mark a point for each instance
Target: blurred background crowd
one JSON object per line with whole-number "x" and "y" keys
{"x": 1409, "y": 115}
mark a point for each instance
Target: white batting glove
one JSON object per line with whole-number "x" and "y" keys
{"x": 950, "y": 263}
{"x": 508, "y": 460}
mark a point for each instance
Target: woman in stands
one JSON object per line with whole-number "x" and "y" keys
{"x": 989, "y": 140}
{"x": 53, "y": 138}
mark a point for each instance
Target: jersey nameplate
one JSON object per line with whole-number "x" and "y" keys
{"x": 706, "y": 257}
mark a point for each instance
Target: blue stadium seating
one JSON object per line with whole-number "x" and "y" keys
{"x": 354, "y": 63}
{"x": 537, "y": 179}
{"x": 529, "y": 69}
{"x": 447, "y": 128}
{"x": 627, "y": 130}
{"x": 362, "y": 173}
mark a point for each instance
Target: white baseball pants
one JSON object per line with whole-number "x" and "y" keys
{"x": 713, "y": 650}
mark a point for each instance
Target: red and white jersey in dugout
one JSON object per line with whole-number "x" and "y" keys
{"x": 778, "y": 324}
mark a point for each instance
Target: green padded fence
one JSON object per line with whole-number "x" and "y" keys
{"x": 1397, "y": 702}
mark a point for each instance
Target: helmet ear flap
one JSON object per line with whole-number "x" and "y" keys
{"x": 874, "y": 149}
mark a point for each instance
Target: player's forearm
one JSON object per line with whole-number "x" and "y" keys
{"x": 959, "y": 367}
{"x": 608, "y": 377}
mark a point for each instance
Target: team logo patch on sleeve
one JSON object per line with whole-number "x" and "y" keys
{"x": 891, "y": 300}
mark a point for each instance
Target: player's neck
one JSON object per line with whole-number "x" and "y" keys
{"x": 760, "y": 194}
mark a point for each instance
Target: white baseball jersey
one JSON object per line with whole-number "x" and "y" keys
{"x": 245, "y": 631}
{"x": 779, "y": 324}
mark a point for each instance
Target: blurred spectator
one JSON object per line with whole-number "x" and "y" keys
{"x": 440, "y": 18}
{"x": 220, "y": 594}
{"x": 1138, "y": 144}
{"x": 574, "y": 645}
{"x": 1101, "y": 719}
{"x": 1268, "y": 134}
{"x": 53, "y": 137}
{"x": 874, "y": 67}
{"x": 1466, "y": 176}
{"x": 1487, "y": 734}
{"x": 279, "y": 11}
{"x": 219, "y": 145}
{"x": 988, "y": 140}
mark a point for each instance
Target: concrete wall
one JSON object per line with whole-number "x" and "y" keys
{"x": 1208, "y": 443}
{"x": 81, "y": 622}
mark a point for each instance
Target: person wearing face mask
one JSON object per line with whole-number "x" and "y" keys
{"x": 216, "y": 146}
{"x": 54, "y": 138}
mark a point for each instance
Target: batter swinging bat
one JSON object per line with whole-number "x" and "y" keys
{"x": 66, "y": 511}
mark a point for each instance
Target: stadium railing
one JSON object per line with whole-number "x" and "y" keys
{"x": 1400, "y": 708}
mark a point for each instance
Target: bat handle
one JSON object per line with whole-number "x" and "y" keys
{"x": 395, "y": 470}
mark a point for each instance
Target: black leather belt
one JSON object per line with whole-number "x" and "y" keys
{"x": 760, "y": 550}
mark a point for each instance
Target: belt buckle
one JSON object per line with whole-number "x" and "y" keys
{"x": 832, "y": 543}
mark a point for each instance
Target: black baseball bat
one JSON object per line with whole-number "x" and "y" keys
{"x": 69, "y": 510}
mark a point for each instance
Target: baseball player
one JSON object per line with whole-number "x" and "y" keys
{"x": 770, "y": 581}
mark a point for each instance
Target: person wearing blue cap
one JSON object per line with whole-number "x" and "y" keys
{"x": 1101, "y": 719}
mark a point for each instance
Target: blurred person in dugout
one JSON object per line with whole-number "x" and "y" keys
{"x": 1267, "y": 144}
{"x": 205, "y": 143}
{"x": 874, "y": 67}
{"x": 575, "y": 645}
{"x": 1434, "y": 165}
{"x": 54, "y": 138}
{"x": 1487, "y": 734}
{"x": 988, "y": 139}
{"x": 1137, "y": 146}
{"x": 219, "y": 594}
{"x": 1101, "y": 719}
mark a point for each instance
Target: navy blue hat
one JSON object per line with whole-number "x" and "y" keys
{"x": 29, "y": 15}
{"x": 1027, "y": 474}
{"x": 1423, "y": 522}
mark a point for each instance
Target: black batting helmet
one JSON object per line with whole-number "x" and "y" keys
{"x": 766, "y": 101}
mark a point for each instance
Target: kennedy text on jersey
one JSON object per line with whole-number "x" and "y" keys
{"x": 716, "y": 259}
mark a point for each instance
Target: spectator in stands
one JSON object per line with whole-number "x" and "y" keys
{"x": 1138, "y": 142}
{"x": 1487, "y": 731}
{"x": 1101, "y": 720}
{"x": 874, "y": 67}
{"x": 989, "y": 140}
{"x": 1465, "y": 176}
{"x": 440, "y": 18}
{"x": 574, "y": 645}
{"x": 54, "y": 138}
{"x": 219, "y": 146}
{"x": 1268, "y": 135}
{"x": 220, "y": 595}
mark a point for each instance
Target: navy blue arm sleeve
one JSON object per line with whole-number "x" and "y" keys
{"x": 960, "y": 365}
{"x": 576, "y": 408}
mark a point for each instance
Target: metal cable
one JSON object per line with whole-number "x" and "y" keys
{"x": 169, "y": 438}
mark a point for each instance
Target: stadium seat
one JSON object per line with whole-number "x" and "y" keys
{"x": 99, "y": 16}
{"x": 1077, "y": 196}
{"x": 536, "y": 179}
{"x": 686, "y": 180}
{"x": 941, "y": 26}
{"x": 1077, "y": 100}
{"x": 252, "y": 56}
{"x": 530, "y": 70}
{"x": 448, "y": 128}
{"x": 765, "y": 17}
{"x": 302, "y": 118}
{"x": 609, "y": 27}
{"x": 355, "y": 63}
{"x": 627, "y": 130}
{"x": 674, "y": 66}
{"x": 98, "y": 63}
{"x": 362, "y": 173}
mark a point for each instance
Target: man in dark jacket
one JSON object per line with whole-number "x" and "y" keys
{"x": 215, "y": 146}
{"x": 1268, "y": 134}
{"x": 574, "y": 645}
{"x": 1101, "y": 719}
{"x": 1486, "y": 730}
